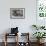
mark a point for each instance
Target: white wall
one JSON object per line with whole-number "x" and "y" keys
{"x": 23, "y": 24}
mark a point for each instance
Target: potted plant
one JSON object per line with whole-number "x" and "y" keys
{"x": 39, "y": 35}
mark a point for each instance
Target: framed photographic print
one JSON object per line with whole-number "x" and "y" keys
{"x": 17, "y": 13}
{"x": 41, "y": 8}
{"x": 41, "y": 12}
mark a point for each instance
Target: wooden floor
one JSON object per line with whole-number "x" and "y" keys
{"x": 13, "y": 44}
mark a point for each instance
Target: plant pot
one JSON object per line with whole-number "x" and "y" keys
{"x": 40, "y": 41}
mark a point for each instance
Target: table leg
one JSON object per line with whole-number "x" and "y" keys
{"x": 5, "y": 40}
